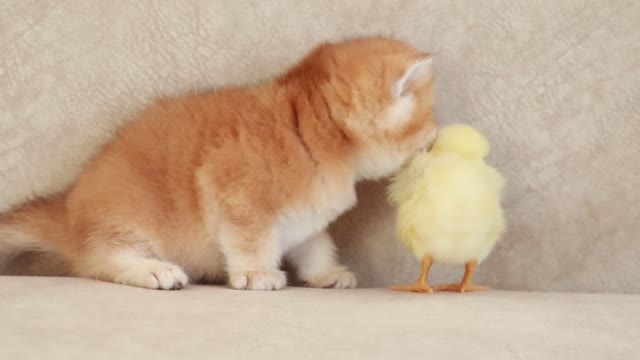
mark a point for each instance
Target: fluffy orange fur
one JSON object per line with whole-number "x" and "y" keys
{"x": 222, "y": 185}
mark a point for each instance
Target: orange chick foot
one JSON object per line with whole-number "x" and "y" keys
{"x": 417, "y": 287}
{"x": 461, "y": 288}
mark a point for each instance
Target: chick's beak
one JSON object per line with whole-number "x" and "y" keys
{"x": 430, "y": 140}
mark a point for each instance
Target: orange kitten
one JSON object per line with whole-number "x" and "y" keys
{"x": 223, "y": 185}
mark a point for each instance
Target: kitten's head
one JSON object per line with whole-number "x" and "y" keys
{"x": 380, "y": 92}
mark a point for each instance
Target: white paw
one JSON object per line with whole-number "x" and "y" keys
{"x": 258, "y": 280}
{"x": 151, "y": 274}
{"x": 338, "y": 278}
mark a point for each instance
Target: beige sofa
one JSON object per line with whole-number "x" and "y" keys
{"x": 554, "y": 84}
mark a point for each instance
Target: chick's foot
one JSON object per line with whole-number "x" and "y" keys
{"x": 417, "y": 287}
{"x": 465, "y": 285}
{"x": 422, "y": 284}
{"x": 461, "y": 288}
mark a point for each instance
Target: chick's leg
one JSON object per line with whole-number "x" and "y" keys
{"x": 465, "y": 285}
{"x": 422, "y": 284}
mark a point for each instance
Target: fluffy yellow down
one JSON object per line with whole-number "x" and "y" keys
{"x": 448, "y": 199}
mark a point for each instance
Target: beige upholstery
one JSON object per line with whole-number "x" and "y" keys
{"x": 80, "y": 319}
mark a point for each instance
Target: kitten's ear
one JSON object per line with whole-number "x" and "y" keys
{"x": 417, "y": 73}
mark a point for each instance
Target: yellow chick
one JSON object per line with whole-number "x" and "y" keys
{"x": 449, "y": 207}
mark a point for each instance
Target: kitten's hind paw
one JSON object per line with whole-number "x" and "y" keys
{"x": 338, "y": 278}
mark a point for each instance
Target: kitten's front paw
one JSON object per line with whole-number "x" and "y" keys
{"x": 258, "y": 280}
{"x": 153, "y": 274}
{"x": 338, "y": 278}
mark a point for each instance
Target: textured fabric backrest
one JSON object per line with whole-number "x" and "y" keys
{"x": 554, "y": 84}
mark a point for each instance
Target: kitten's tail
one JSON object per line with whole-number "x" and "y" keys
{"x": 29, "y": 235}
